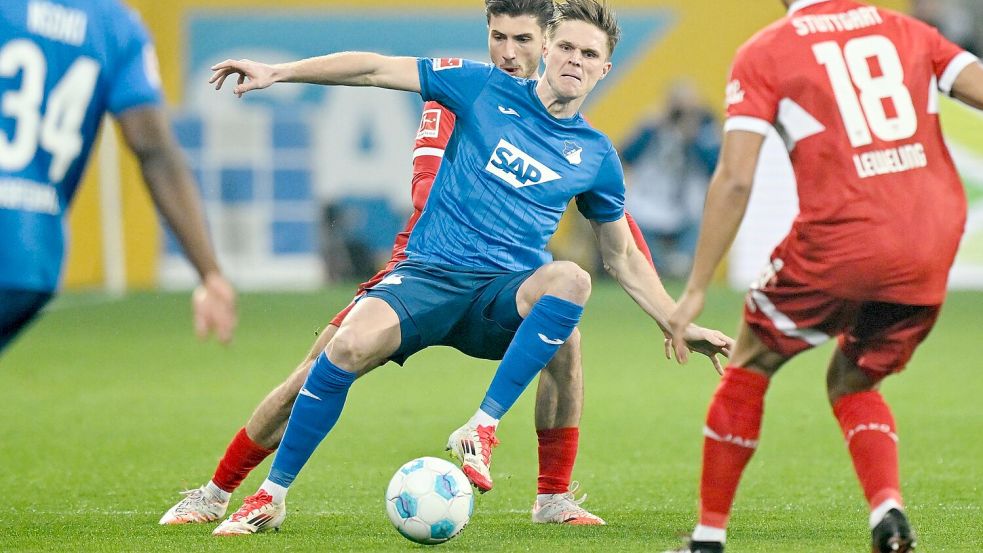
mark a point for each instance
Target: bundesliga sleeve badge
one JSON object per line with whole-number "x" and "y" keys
{"x": 439, "y": 64}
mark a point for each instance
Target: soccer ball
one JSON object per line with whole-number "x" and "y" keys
{"x": 429, "y": 500}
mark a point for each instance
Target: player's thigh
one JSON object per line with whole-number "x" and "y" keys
{"x": 784, "y": 317}
{"x": 492, "y": 318}
{"x": 429, "y": 302}
{"x": 367, "y": 337}
{"x": 885, "y": 335}
{"x": 17, "y": 309}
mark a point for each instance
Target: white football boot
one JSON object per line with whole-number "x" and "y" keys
{"x": 472, "y": 446}
{"x": 563, "y": 508}
{"x": 258, "y": 513}
{"x": 198, "y": 506}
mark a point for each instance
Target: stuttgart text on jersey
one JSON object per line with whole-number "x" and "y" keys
{"x": 859, "y": 18}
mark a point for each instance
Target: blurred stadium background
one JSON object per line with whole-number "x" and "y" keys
{"x": 112, "y": 407}
{"x": 292, "y": 178}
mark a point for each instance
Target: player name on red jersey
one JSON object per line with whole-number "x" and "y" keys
{"x": 892, "y": 160}
{"x": 859, "y": 18}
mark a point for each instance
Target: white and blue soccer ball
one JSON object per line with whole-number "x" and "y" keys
{"x": 429, "y": 500}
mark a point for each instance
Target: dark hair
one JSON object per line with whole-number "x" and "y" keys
{"x": 595, "y": 12}
{"x": 542, "y": 10}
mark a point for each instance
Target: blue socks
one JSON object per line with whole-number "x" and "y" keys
{"x": 315, "y": 412}
{"x": 550, "y": 322}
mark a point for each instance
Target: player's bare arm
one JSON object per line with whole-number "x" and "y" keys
{"x": 727, "y": 198}
{"x": 626, "y": 263}
{"x": 968, "y": 87}
{"x": 172, "y": 189}
{"x": 344, "y": 68}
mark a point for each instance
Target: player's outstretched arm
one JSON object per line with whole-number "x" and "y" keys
{"x": 727, "y": 199}
{"x": 968, "y": 87}
{"x": 629, "y": 266}
{"x": 345, "y": 68}
{"x": 147, "y": 132}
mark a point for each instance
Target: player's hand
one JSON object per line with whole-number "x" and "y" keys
{"x": 252, "y": 75}
{"x": 687, "y": 337}
{"x": 214, "y": 305}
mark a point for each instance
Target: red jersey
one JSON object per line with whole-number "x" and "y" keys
{"x": 852, "y": 90}
{"x": 436, "y": 127}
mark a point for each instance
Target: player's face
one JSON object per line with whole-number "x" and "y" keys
{"x": 576, "y": 58}
{"x": 515, "y": 44}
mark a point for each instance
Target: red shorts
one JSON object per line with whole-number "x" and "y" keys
{"x": 790, "y": 317}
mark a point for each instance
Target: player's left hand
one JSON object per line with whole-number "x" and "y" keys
{"x": 214, "y": 305}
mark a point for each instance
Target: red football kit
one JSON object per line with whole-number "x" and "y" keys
{"x": 852, "y": 90}
{"x": 436, "y": 127}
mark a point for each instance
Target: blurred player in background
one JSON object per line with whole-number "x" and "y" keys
{"x": 62, "y": 66}
{"x": 515, "y": 44}
{"x": 852, "y": 89}
{"x": 477, "y": 275}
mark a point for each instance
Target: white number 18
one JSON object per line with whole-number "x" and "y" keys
{"x": 849, "y": 71}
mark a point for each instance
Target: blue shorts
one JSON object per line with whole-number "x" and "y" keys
{"x": 473, "y": 312}
{"x": 17, "y": 308}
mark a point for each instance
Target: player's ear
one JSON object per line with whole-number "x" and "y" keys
{"x": 605, "y": 69}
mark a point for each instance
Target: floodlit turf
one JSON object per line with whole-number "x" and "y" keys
{"x": 111, "y": 408}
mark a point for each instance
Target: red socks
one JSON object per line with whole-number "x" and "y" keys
{"x": 732, "y": 428}
{"x": 868, "y": 427}
{"x": 241, "y": 457}
{"x": 557, "y": 453}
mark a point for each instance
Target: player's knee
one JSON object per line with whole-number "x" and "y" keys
{"x": 570, "y": 282}
{"x": 350, "y": 351}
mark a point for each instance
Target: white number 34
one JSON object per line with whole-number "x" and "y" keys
{"x": 58, "y": 130}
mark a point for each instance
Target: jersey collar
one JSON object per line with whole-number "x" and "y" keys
{"x": 799, "y": 4}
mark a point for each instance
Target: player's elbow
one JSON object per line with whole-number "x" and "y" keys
{"x": 733, "y": 184}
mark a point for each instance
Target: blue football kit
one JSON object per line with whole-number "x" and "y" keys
{"x": 63, "y": 65}
{"x": 508, "y": 174}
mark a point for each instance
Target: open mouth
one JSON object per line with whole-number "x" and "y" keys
{"x": 511, "y": 70}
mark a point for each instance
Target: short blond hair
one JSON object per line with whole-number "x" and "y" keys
{"x": 595, "y": 12}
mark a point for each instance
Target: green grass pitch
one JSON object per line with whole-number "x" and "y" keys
{"x": 110, "y": 408}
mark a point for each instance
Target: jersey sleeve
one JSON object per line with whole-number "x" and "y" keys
{"x": 752, "y": 97}
{"x": 453, "y": 82}
{"x": 605, "y": 202}
{"x": 436, "y": 127}
{"x": 948, "y": 60}
{"x": 136, "y": 81}
{"x": 639, "y": 237}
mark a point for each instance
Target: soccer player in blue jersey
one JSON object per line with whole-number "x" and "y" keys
{"x": 62, "y": 66}
{"x": 478, "y": 276}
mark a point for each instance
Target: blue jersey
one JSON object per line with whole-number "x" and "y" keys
{"x": 62, "y": 66}
{"x": 509, "y": 172}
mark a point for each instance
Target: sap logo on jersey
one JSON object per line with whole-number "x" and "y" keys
{"x": 517, "y": 167}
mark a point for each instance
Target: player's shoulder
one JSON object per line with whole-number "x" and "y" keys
{"x": 765, "y": 40}
{"x": 601, "y": 142}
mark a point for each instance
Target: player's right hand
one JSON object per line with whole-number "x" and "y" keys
{"x": 252, "y": 75}
{"x": 214, "y": 306}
